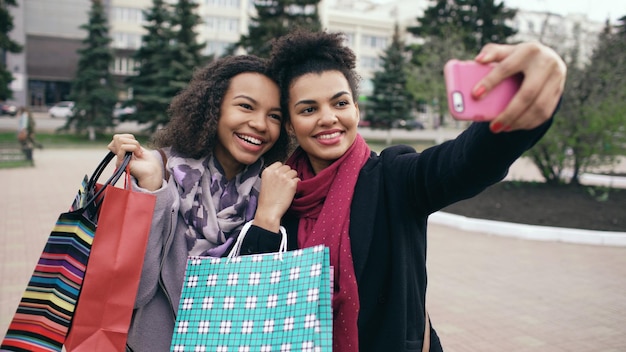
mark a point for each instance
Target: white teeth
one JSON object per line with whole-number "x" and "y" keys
{"x": 250, "y": 140}
{"x": 329, "y": 136}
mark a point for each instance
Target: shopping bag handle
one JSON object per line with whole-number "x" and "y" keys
{"x": 103, "y": 164}
{"x": 244, "y": 230}
{"x": 112, "y": 180}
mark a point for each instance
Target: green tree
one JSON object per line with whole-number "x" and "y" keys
{"x": 275, "y": 18}
{"x": 187, "y": 52}
{"x": 151, "y": 88}
{"x": 621, "y": 25}
{"x": 391, "y": 100}
{"x": 93, "y": 88}
{"x": 589, "y": 130}
{"x": 478, "y": 21}
{"x": 425, "y": 79}
{"x": 6, "y": 45}
{"x": 167, "y": 57}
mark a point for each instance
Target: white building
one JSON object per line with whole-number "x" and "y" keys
{"x": 50, "y": 33}
{"x": 562, "y": 33}
{"x": 368, "y": 26}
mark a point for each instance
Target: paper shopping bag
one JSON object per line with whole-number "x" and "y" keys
{"x": 104, "y": 311}
{"x": 266, "y": 302}
{"x": 45, "y": 312}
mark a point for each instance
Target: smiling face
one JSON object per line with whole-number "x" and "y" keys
{"x": 323, "y": 116}
{"x": 249, "y": 123}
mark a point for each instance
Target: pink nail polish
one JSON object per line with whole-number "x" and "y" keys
{"x": 479, "y": 91}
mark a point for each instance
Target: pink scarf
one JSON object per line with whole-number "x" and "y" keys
{"x": 322, "y": 203}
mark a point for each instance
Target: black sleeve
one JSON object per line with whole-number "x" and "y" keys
{"x": 456, "y": 169}
{"x": 258, "y": 240}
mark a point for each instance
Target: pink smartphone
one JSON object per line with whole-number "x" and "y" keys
{"x": 461, "y": 77}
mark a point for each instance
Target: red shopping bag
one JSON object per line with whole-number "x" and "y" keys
{"x": 45, "y": 312}
{"x": 107, "y": 298}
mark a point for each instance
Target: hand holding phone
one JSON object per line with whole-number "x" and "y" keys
{"x": 461, "y": 77}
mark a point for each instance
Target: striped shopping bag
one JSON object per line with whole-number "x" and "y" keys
{"x": 266, "y": 302}
{"x": 44, "y": 314}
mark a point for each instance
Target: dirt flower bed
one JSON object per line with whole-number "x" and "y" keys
{"x": 581, "y": 207}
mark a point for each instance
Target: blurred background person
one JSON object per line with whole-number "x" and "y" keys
{"x": 26, "y": 133}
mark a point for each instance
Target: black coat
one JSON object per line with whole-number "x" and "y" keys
{"x": 394, "y": 195}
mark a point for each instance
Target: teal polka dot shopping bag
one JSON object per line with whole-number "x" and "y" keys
{"x": 266, "y": 302}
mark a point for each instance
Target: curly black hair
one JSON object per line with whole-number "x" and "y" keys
{"x": 302, "y": 52}
{"x": 195, "y": 111}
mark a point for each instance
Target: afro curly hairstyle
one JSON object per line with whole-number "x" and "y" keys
{"x": 302, "y": 52}
{"x": 195, "y": 111}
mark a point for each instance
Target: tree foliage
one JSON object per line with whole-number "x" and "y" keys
{"x": 478, "y": 22}
{"x": 150, "y": 84}
{"x": 589, "y": 130}
{"x": 187, "y": 50}
{"x": 6, "y": 45}
{"x": 391, "y": 100}
{"x": 275, "y": 18}
{"x": 451, "y": 29}
{"x": 93, "y": 89}
{"x": 167, "y": 57}
{"x": 425, "y": 79}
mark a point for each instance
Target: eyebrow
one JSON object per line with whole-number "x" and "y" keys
{"x": 337, "y": 95}
{"x": 245, "y": 97}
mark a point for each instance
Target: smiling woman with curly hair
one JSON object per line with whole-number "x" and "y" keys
{"x": 226, "y": 127}
{"x": 194, "y": 112}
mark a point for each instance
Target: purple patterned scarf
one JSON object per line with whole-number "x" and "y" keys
{"x": 213, "y": 208}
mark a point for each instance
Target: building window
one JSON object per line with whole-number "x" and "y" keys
{"x": 349, "y": 39}
{"x": 123, "y": 40}
{"x": 216, "y": 48}
{"x": 223, "y": 3}
{"x": 370, "y": 63}
{"x": 124, "y": 66}
{"x": 128, "y": 15}
{"x": 375, "y": 42}
{"x": 301, "y": 10}
{"x": 222, "y": 24}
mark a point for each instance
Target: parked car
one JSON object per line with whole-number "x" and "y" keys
{"x": 61, "y": 109}
{"x": 408, "y": 125}
{"x": 8, "y": 109}
{"x": 121, "y": 112}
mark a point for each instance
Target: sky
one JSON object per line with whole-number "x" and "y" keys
{"x": 596, "y": 10}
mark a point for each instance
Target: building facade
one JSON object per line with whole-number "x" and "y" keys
{"x": 50, "y": 32}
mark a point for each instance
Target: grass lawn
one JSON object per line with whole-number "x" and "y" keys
{"x": 10, "y": 149}
{"x": 65, "y": 140}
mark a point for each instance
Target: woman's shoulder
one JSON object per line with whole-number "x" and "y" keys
{"x": 387, "y": 156}
{"x": 396, "y": 150}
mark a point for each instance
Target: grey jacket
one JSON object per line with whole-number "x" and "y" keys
{"x": 162, "y": 275}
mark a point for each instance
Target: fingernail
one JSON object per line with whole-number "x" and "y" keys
{"x": 480, "y": 57}
{"x": 479, "y": 91}
{"x": 496, "y": 127}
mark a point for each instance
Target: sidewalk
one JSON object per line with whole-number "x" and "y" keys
{"x": 486, "y": 293}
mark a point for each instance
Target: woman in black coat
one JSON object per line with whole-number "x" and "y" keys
{"x": 372, "y": 210}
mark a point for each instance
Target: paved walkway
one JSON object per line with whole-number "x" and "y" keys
{"x": 486, "y": 293}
